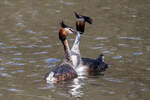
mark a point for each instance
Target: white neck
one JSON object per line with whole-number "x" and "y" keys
{"x": 76, "y": 44}
{"x": 75, "y": 51}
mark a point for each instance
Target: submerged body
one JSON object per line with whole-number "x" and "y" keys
{"x": 63, "y": 72}
{"x": 94, "y": 66}
{"x": 89, "y": 66}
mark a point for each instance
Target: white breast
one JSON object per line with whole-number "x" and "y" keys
{"x": 50, "y": 77}
{"x": 75, "y": 60}
{"x": 81, "y": 70}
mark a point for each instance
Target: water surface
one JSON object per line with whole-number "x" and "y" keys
{"x": 29, "y": 48}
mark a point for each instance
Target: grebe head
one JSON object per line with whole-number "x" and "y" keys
{"x": 103, "y": 65}
{"x": 65, "y": 30}
{"x": 101, "y": 57}
{"x": 80, "y": 23}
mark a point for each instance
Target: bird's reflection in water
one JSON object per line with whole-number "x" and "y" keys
{"x": 77, "y": 85}
{"x": 71, "y": 88}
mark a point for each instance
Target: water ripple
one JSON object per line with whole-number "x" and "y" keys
{"x": 5, "y": 2}
{"x": 18, "y": 71}
{"x": 18, "y": 53}
{"x": 138, "y": 53}
{"x": 148, "y": 69}
{"x": 114, "y": 80}
{"x": 46, "y": 46}
{"x": 15, "y": 90}
{"x": 1, "y": 68}
{"x": 16, "y": 58}
{"x": 51, "y": 65}
{"x": 37, "y": 53}
{"x": 1, "y": 43}
{"x": 62, "y": 94}
{"x": 101, "y": 38}
{"x": 30, "y": 46}
{"x": 123, "y": 45}
{"x": 117, "y": 57}
{"x": 52, "y": 60}
{"x": 20, "y": 24}
{"x": 32, "y": 61}
{"x": 133, "y": 16}
{"x": 67, "y": 2}
{"x": 58, "y": 11}
{"x": 94, "y": 48}
{"x": 5, "y": 75}
{"x": 8, "y": 47}
{"x": 13, "y": 63}
{"x": 99, "y": 44}
{"x": 31, "y": 31}
{"x": 131, "y": 38}
{"x": 33, "y": 75}
{"x": 1, "y": 94}
{"x": 106, "y": 51}
{"x": 15, "y": 39}
{"x": 145, "y": 89}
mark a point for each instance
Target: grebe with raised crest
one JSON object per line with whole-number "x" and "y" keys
{"x": 85, "y": 66}
{"x": 65, "y": 70}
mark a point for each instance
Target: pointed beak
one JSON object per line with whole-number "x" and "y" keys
{"x": 73, "y": 31}
{"x": 76, "y": 32}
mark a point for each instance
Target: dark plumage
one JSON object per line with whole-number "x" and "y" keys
{"x": 95, "y": 65}
{"x": 64, "y": 71}
{"x": 86, "y": 18}
{"x": 63, "y": 25}
{"x": 80, "y": 23}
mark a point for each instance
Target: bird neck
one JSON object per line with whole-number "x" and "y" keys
{"x": 67, "y": 51}
{"x": 76, "y": 44}
{"x": 80, "y": 25}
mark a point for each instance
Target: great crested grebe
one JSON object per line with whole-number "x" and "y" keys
{"x": 80, "y": 26}
{"x": 65, "y": 70}
{"x": 85, "y": 65}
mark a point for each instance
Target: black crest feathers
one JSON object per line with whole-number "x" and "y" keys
{"x": 63, "y": 25}
{"x": 86, "y": 18}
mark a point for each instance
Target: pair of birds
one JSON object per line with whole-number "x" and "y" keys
{"x": 73, "y": 64}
